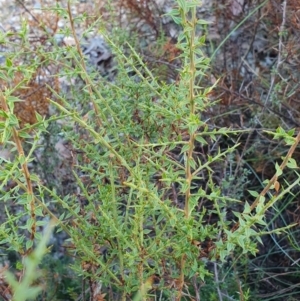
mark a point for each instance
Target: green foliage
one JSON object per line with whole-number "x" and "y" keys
{"x": 145, "y": 214}
{"x": 24, "y": 289}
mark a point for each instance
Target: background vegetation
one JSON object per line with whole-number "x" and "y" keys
{"x": 149, "y": 151}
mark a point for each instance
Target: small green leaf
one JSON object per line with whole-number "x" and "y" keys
{"x": 185, "y": 148}
{"x": 8, "y": 62}
{"x": 201, "y": 140}
{"x": 278, "y": 170}
{"x": 241, "y": 241}
{"x": 253, "y": 193}
{"x": 292, "y": 163}
{"x": 223, "y": 254}
{"x": 3, "y": 77}
{"x": 29, "y": 244}
{"x": 177, "y": 20}
{"x": 259, "y": 239}
{"x": 192, "y": 163}
{"x": 183, "y": 5}
{"x": 13, "y": 121}
{"x": 291, "y": 132}
{"x": 247, "y": 208}
{"x": 203, "y": 22}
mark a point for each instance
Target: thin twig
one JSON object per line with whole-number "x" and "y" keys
{"x": 28, "y": 11}
{"x": 274, "y": 178}
{"x": 217, "y": 281}
{"x": 25, "y": 170}
{"x": 83, "y": 66}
